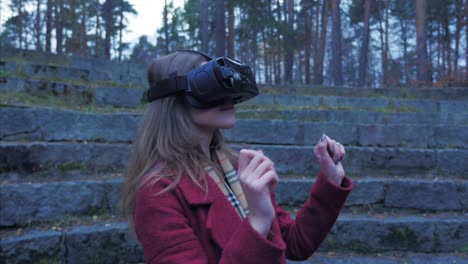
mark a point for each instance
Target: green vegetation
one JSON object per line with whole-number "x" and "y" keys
{"x": 48, "y": 260}
{"x": 71, "y": 166}
{"x": 71, "y": 101}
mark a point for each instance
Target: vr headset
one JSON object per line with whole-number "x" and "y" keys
{"x": 212, "y": 84}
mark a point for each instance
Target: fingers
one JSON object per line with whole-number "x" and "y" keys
{"x": 269, "y": 179}
{"x": 328, "y": 150}
{"x": 245, "y": 156}
{"x": 254, "y": 165}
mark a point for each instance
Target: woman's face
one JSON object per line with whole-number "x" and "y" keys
{"x": 223, "y": 116}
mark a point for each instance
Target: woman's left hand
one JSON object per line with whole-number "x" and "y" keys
{"x": 329, "y": 154}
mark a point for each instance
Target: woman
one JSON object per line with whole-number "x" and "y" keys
{"x": 185, "y": 199}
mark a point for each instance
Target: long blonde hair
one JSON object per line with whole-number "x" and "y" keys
{"x": 165, "y": 144}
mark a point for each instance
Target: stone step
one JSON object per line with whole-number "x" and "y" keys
{"x": 113, "y": 242}
{"x": 45, "y": 124}
{"x": 281, "y": 102}
{"x": 23, "y": 204}
{"x": 446, "y": 93}
{"x": 263, "y": 101}
{"x": 96, "y": 69}
{"x": 99, "y": 94}
{"x": 359, "y": 162}
{"x": 110, "y": 242}
{"x": 387, "y": 258}
{"x": 356, "y": 117}
{"x": 370, "y": 161}
{"x": 285, "y": 132}
{"x": 416, "y": 233}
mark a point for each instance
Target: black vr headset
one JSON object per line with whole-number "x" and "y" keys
{"x": 209, "y": 85}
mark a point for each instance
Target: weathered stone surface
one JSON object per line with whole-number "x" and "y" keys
{"x": 369, "y": 234}
{"x": 425, "y": 195}
{"x": 452, "y": 234}
{"x": 11, "y": 85}
{"x": 22, "y": 204}
{"x": 397, "y": 135}
{"x": 462, "y": 189}
{"x": 343, "y": 133}
{"x": 452, "y": 136}
{"x": 68, "y": 125}
{"x": 409, "y": 105}
{"x": 454, "y": 107}
{"x": 290, "y": 159}
{"x": 266, "y": 131}
{"x": 366, "y": 192}
{"x": 295, "y": 160}
{"x": 390, "y": 258}
{"x": 118, "y": 97}
{"x": 31, "y": 157}
{"x": 16, "y": 121}
{"x": 32, "y": 247}
{"x": 293, "y": 192}
{"x": 103, "y": 243}
{"x": 453, "y": 161}
{"x": 358, "y": 117}
{"x": 55, "y": 72}
{"x": 354, "y": 103}
{"x": 390, "y": 161}
{"x": 47, "y": 124}
{"x": 98, "y": 243}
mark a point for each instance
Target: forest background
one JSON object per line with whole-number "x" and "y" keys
{"x": 360, "y": 43}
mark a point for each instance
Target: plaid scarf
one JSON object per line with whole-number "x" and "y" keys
{"x": 229, "y": 184}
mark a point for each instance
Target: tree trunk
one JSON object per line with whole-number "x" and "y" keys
{"x": 318, "y": 67}
{"x": 220, "y": 29}
{"x": 84, "y": 30}
{"x": 48, "y": 37}
{"x": 265, "y": 57}
{"x": 37, "y": 26}
{"x": 230, "y": 43}
{"x": 97, "y": 38}
{"x": 109, "y": 27}
{"x": 405, "y": 49}
{"x": 387, "y": 50}
{"x": 466, "y": 39}
{"x": 289, "y": 43}
{"x": 315, "y": 38}
{"x": 448, "y": 50}
{"x": 423, "y": 73}
{"x": 204, "y": 26}
{"x": 59, "y": 26}
{"x": 121, "y": 32}
{"x": 166, "y": 27}
{"x": 337, "y": 73}
{"x": 21, "y": 24}
{"x": 458, "y": 28}
{"x": 278, "y": 47}
{"x": 307, "y": 6}
{"x": 384, "y": 58}
{"x": 365, "y": 45}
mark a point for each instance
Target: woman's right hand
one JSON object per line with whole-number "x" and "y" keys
{"x": 257, "y": 176}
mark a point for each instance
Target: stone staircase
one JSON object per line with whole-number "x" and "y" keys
{"x": 61, "y": 169}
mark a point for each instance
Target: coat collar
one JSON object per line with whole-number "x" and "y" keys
{"x": 222, "y": 219}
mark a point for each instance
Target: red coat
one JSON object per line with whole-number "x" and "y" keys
{"x": 189, "y": 225}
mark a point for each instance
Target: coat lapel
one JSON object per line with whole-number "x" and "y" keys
{"x": 222, "y": 219}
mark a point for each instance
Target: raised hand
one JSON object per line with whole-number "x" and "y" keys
{"x": 329, "y": 154}
{"x": 257, "y": 176}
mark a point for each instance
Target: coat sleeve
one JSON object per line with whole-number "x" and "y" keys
{"x": 314, "y": 220}
{"x": 167, "y": 237}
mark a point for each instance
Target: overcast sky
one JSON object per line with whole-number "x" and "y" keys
{"x": 149, "y": 17}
